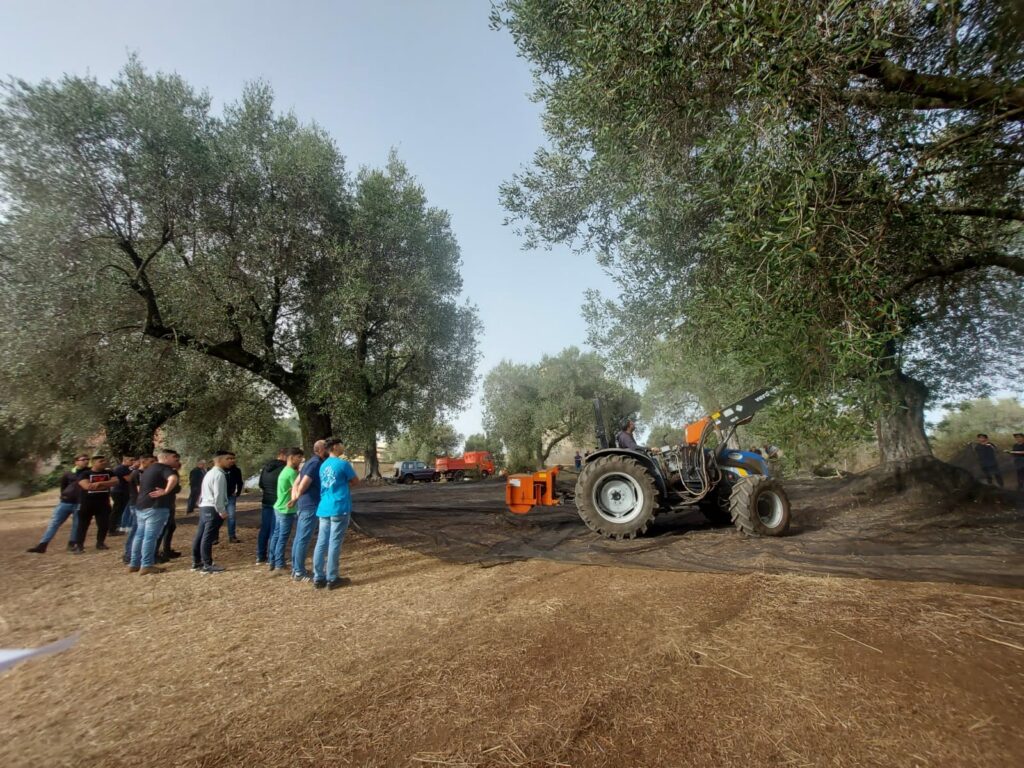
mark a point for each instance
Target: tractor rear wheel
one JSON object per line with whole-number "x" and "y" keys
{"x": 759, "y": 506}
{"x": 616, "y": 497}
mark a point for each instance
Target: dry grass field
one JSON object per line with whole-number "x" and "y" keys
{"x": 423, "y": 662}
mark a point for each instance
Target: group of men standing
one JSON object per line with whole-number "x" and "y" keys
{"x": 140, "y": 494}
{"x": 308, "y": 495}
{"x": 135, "y": 499}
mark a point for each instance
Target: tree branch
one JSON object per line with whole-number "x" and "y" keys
{"x": 546, "y": 451}
{"x": 390, "y": 382}
{"x": 958, "y": 92}
{"x": 872, "y": 99}
{"x": 1006, "y": 214}
{"x": 229, "y": 351}
{"x": 1013, "y": 264}
{"x": 270, "y": 323}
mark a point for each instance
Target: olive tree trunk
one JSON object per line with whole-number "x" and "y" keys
{"x": 372, "y": 471}
{"x": 314, "y": 423}
{"x": 900, "y": 426}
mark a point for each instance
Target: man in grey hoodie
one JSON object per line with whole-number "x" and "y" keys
{"x": 213, "y": 510}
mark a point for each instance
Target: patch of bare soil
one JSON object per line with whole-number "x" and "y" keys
{"x": 428, "y": 661}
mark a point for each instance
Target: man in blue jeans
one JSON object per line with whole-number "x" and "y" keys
{"x": 334, "y": 513}
{"x": 284, "y": 509}
{"x": 67, "y": 505}
{"x": 306, "y": 495}
{"x": 152, "y": 510}
{"x": 268, "y": 487}
{"x": 144, "y": 463}
{"x": 213, "y": 510}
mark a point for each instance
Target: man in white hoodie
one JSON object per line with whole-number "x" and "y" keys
{"x": 213, "y": 510}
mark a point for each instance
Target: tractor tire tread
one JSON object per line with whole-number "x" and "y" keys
{"x": 598, "y": 524}
{"x": 742, "y": 508}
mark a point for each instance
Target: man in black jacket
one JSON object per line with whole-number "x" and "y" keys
{"x": 1017, "y": 451}
{"x": 235, "y": 486}
{"x": 988, "y": 460}
{"x": 268, "y": 486}
{"x": 195, "y": 484}
{"x": 119, "y": 497}
{"x": 70, "y": 496}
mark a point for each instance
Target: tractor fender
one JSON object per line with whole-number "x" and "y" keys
{"x": 645, "y": 459}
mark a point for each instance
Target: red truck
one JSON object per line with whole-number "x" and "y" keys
{"x": 472, "y": 462}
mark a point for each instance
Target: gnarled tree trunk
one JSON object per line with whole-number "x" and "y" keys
{"x": 314, "y": 423}
{"x": 372, "y": 461}
{"x": 907, "y": 460}
{"x": 900, "y": 426}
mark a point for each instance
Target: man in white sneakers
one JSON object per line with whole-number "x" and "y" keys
{"x": 213, "y": 510}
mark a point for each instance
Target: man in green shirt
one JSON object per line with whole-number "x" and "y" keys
{"x": 284, "y": 507}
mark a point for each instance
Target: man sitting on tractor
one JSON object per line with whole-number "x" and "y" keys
{"x": 625, "y": 436}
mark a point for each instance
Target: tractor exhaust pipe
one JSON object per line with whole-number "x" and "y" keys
{"x": 599, "y": 428}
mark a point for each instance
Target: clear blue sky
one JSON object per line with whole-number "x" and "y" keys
{"x": 428, "y": 78}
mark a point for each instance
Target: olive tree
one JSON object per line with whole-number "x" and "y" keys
{"x": 238, "y": 238}
{"x": 822, "y": 193}
{"x": 532, "y": 409}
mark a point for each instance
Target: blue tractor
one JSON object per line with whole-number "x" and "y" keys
{"x": 621, "y": 490}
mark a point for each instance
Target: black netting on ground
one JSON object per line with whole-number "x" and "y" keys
{"x": 832, "y": 533}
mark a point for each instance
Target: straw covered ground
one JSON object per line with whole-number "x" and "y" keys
{"x": 424, "y": 662}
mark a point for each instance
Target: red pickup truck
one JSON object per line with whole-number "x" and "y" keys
{"x": 471, "y": 463}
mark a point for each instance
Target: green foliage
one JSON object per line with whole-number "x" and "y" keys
{"x": 48, "y": 480}
{"x": 425, "y": 442}
{"x": 485, "y": 442}
{"x": 400, "y": 349}
{"x": 824, "y": 194}
{"x": 243, "y": 421}
{"x": 22, "y": 444}
{"x": 997, "y": 418}
{"x": 179, "y": 241}
{"x": 531, "y": 409}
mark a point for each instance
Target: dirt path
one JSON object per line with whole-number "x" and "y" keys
{"x": 426, "y": 662}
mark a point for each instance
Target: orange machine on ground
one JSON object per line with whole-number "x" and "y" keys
{"x": 470, "y": 463}
{"x": 525, "y": 491}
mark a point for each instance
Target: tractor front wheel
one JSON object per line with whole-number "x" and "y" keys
{"x": 616, "y": 497}
{"x": 759, "y": 506}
